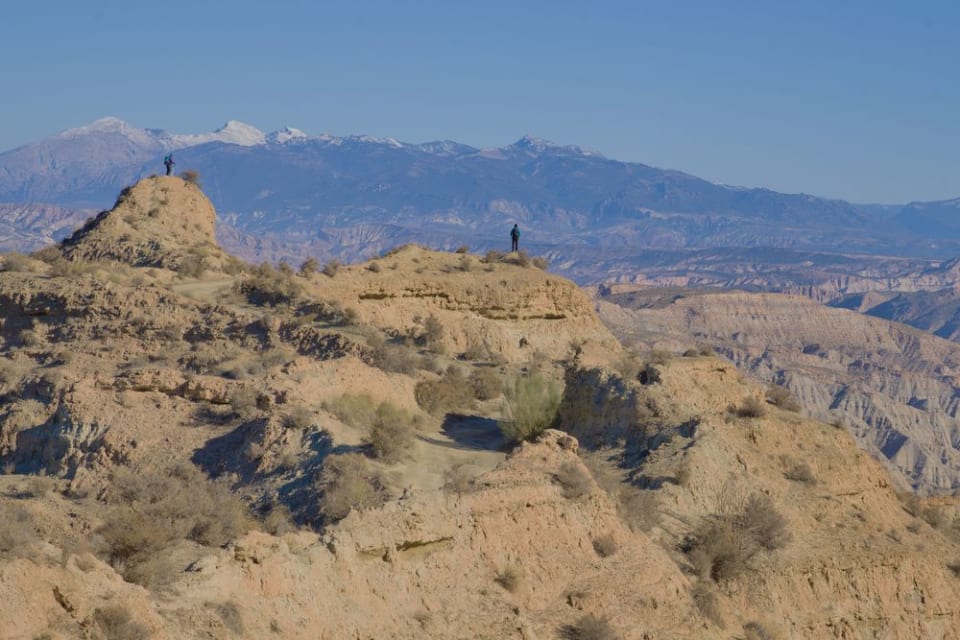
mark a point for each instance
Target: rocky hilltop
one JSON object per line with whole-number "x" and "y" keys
{"x": 193, "y": 447}
{"x": 894, "y": 386}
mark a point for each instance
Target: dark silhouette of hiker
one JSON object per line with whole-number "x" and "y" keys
{"x": 169, "y": 163}
{"x": 514, "y": 238}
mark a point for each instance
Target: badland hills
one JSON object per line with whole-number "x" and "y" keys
{"x": 433, "y": 444}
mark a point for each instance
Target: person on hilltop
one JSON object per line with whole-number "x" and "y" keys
{"x": 514, "y": 238}
{"x": 169, "y": 163}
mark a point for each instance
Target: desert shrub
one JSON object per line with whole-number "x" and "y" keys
{"x": 798, "y": 471}
{"x": 16, "y": 262}
{"x": 192, "y": 176}
{"x": 574, "y": 479}
{"x": 243, "y": 402}
{"x": 954, "y": 568}
{"x": 355, "y": 410}
{"x": 30, "y": 338}
{"x": 509, "y": 578}
{"x": 48, "y": 254}
{"x": 521, "y": 258}
{"x": 392, "y": 433}
{"x": 433, "y": 333}
{"x": 191, "y": 266}
{"x": 299, "y": 417}
{"x": 532, "y": 405}
{"x": 707, "y": 350}
{"x": 374, "y": 267}
{"x": 265, "y": 285}
{"x": 781, "y": 397}
{"x": 486, "y": 383}
{"x": 309, "y": 267}
{"x": 691, "y": 353}
{"x": 449, "y": 393}
{"x": 330, "y": 269}
{"x": 540, "y": 262}
{"x": 750, "y": 407}
{"x": 606, "y": 545}
{"x": 723, "y": 545}
{"x": 348, "y": 482}
{"x": 284, "y": 267}
{"x": 589, "y": 627}
{"x": 660, "y": 356}
{"x": 17, "y": 530}
{"x": 394, "y": 358}
{"x": 117, "y": 623}
{"x": 151, "y": 511}
{"x": 329, "y": 311}
{"x": 465, "y": 263}
{"x": 649, "y": 374}
{"x": 761, "y": 522}
{"x": 704, "y": 597}
{"x": 493, "y": 256}
{"x": 462, "y": 249}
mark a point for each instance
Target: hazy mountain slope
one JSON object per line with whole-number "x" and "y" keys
{"x": 293, "y": 187}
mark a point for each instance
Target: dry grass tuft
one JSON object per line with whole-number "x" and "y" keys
{"x": 575, "y": 480}
{"x": 117, "y": 623}
{"x": 751, "y": 407}
{"x": 781, "y": 397}
{"x": 509, "y": 578}
{"x": 589, "y": 627}
{"x": 606, "y": 545}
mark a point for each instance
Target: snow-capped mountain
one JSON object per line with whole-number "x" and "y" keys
{"x": 292, "y": 186}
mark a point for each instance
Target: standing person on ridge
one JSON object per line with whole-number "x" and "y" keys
{"x": 514, "y": 238}
{"x": 169, "y": 163}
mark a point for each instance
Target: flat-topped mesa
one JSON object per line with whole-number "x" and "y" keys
{"x": 487, "y": 305}
{"x": 162, "y": 221}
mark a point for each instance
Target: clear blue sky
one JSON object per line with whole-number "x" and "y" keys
{"x": 854, "y": 99}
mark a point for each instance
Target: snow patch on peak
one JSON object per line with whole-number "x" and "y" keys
{"x": 286, "y": 135}
{"x": 390, "y": 142}
{"x": 101, "y": 125}
{"x": 233, "y": 132}
{"x": 112, "y": 125}
{"x": 240, "y": 133}
{"x": 535, "y": 146}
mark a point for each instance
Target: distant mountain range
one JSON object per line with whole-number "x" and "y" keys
{"x": 287, "y": 194}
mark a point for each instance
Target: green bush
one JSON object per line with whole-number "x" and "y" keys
{"x": 532, "y": 405}
{"x": 356, "y": 410}
{"x": 449, "y": 393}
{"x": 392, "y": 433}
